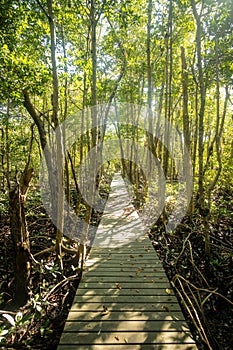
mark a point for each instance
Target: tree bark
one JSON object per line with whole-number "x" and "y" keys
{"x": 201, "y": 109}
{"x": 20, "y": 236}
{"x": 168, "y": 90}
{"x": 186, "y": 131}
{"x": 55, "y": 95}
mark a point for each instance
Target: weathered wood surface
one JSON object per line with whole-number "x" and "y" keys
{"x": 125, "y": 301}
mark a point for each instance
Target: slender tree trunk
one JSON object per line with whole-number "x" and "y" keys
{"x": 5, "y": 159}
{"x": 168, "y": 93}
{"x": 201, "y": 110}
{"x": 3, "y": 155}
{"x": 94, "y": 130}
{"x": 54, "y": 62}
{"x": 186, "y": 131}
{"x": 94, "y": 72}
{"x": 203, "y": 209}
{"x": 149, "y": 83}
{"x": 59, "y": 153}
{"x": 195, "y": 137}
{"x": 20, "y": 236}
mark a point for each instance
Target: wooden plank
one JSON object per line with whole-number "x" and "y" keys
{"x": 150, "y": 299}
{"x": 126, "y": 278}
{"x": 106, "y": 325}
{"x": 115, "y": 315}
{"x": 139, "y": 250}
{"x": 120, "y": 263}
{"x": 137, "y": 268}
{"x": 134, "y": 252}
{"x": 131, "y": 283}
{"x": 127, "y": 346}
{"x": 125, "y": 301}
{"x": 92, "y": 296}
{"x": 122, "y": 307}
{"x": 126, "y": 275}
{"x": 125, "y": 258}
{"x": 124, "y": 291}
{"x": 135, "y": 337}
{"x": 124, "y": 271}
{"x": 119, "y": 271}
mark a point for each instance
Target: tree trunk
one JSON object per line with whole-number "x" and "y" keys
{"x": 59, "y": 156}
{"x": 168, "y": 94}
{"x": 149, "y": 82}
{"x": 201, "y": 110}
{"x": 186, "y": 131}
{"x": 20, "y": 236}
{"x": 54, "y": 63}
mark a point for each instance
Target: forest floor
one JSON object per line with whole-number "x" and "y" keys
{"x": 39, "y": 324}
{"x": 203, "y": 286}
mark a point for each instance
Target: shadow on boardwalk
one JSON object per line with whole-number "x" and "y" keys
{"x": 124, "y": 300}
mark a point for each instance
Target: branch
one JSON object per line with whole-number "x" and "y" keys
{"x": 43, "y": 9}
{"x": 60, "y": 284}
{"x": 31, "y": 110}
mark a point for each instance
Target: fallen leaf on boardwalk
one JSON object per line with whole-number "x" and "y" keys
{"x": 105, "y": 310}
{"x": 117, "y": 338}
{"x": 166, "y": 308}
{"x": 137, "y": 290}
{"x": 126, "y": 340}
{"x": 140, "y": 269}
{"x": 132, "y": 256}
{"x": 140, "y": 255}
{"x": 128, "y": 211}
{"x": 105, "y": 313}
{"x": 118, "y": 286}
{"x": 168, "y": 291}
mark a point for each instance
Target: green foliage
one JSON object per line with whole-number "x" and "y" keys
{"x": 122, "y": 48}
{"x": 14, "y": 324}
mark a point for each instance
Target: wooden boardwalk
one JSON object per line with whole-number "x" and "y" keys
{"x": 124, "y": 300}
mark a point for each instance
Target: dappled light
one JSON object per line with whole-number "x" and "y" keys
{"x": 124, "y": 296}
{"x": 116, "y": 174}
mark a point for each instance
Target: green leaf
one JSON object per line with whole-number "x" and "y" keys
{"x": 18, "y": 317}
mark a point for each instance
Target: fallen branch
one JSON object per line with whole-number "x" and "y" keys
{"x": 70, "y": 278}
{"x": 197, "y": 306}
{"x": 202, "y": 289}
{"x": 7, "y": 312}
{"x": 47, "y": 250}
